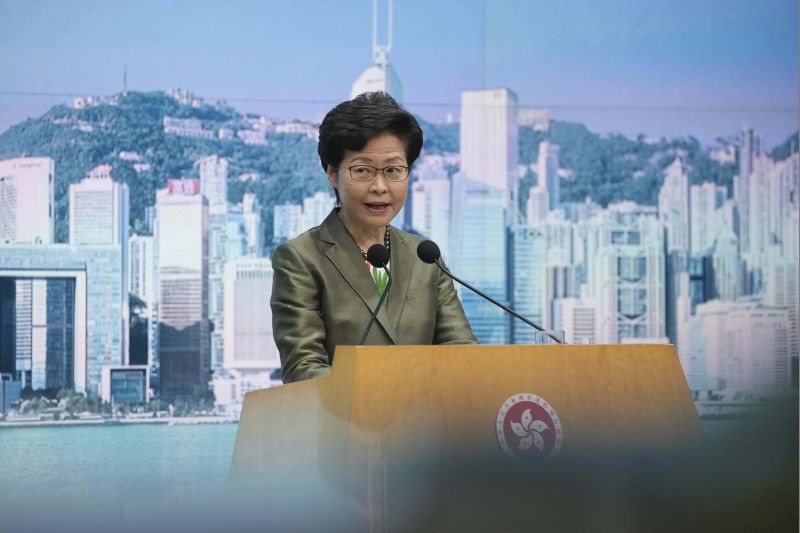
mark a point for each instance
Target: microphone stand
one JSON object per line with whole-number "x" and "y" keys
{"x": 384, "y": 294}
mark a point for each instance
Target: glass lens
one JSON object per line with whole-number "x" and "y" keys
{"x": 362, "y": 172}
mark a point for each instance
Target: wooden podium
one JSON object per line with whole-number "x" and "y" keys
{"x": 400, "y": 403}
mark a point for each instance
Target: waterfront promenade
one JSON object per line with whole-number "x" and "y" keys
{"x": 101, "y": 421}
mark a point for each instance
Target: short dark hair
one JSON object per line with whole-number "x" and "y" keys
{"x": 352, "y": 124}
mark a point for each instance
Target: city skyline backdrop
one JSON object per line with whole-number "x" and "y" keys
{"x": 709, "y": 265}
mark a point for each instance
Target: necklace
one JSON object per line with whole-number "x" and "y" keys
{"x": 386, "y": 242}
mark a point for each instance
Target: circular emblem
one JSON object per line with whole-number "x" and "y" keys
{"x": 527, "y": 426}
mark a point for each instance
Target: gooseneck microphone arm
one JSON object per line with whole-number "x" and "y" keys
{"x": 431, "y": 254}
{"x": 378, "y": 256}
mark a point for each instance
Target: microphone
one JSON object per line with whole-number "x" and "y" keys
{"x": 429, "y": 253}
{"x": 378, "y": 256}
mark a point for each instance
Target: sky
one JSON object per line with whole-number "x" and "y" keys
{"x": 703, "y": 68}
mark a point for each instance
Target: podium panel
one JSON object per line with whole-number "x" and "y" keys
{"x": 398, "y": 403}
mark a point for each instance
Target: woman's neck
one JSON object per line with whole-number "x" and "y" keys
{"x": 364, "y": 236}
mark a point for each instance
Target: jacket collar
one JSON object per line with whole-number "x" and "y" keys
{"x": 347, "y": 259}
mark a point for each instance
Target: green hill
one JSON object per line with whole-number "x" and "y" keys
{"x": 608, "y": 168}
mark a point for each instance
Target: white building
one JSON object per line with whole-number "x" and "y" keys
{"x": 538, "y": 119}
{"x": 98, "y": 210}
{"x": 430, "y": 211}
{"x": 141, "y": 281}
{"x": 577, "y": 318}
{"x": 254, "y": 228}
{"x": 740, "y": 346}
{"x": 287, "y": 222}
{"x": 749, "y": 150}
{"x": 705, "y": 221}
{"x": 186, "y": 127}
{"x": 214, "y": 182}
{"x": 547, "y": 165}
{"x": 26, "y": 200}
{"x": 673, "y": 206}
{"x": 488, "y": 142}
{"x": 213, "y": 172}
{"x": 251, "y": 356}
{"x": 625, "y": 262}
{"x": 310, "y": 131}
{"x": 728, "y": 271}
{"x": 782, "y": 291}
{"x": 536, "y": 206}
{"x": 315, "y": 208}
{"x": 254, "y": 137}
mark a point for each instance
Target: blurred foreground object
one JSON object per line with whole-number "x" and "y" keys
{"x": 389, "y": 418}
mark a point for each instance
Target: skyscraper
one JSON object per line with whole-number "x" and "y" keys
{"x": 430, "y": 211}
{"x": 26, "y": 200}
{"x": 625, "y": 257}
{"x": 728, "y": 270}
{"x": 214, "y": 187}
{"x": 99, "y": 210}
{"x": 254, "y": 227}
{"x": 529, "y": 257}
{"x": 673, "y": 206}
{"x": 749, "y": 150}
{"x": 315, "y": 208}
{"x": 576, "y": 317}
{"x": 214, "y": 182}
{"x": 479, "y": 255}
{"x": 287, "y": 222}
{"x": 249, "y": 345}
{"x": 488, "y": 142}
{"x": 745, "y": 345}
{"x": 547, "y": 165}
{"x": 142, "y": 269}
{"x": 704, "y": 220}
{"x": 99, "y": 216}
{"x": 183, "y": 327}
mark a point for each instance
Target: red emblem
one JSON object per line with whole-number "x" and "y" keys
{"x": 527, "y": 426}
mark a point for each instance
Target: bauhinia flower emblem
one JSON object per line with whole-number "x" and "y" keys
{"x": 529, "y": 431}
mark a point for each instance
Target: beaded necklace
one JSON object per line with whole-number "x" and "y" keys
{"x": 386, "y": 242}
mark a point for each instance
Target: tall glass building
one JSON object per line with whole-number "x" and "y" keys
{"x": 479, "y": 256}
{"x": 528, "y": 260}
{"x": 183, "y": 320}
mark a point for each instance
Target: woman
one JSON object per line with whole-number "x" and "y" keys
{"x": 324, "y": 291}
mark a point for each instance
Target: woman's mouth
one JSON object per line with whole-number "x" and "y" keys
{"x": 377, "y": 208}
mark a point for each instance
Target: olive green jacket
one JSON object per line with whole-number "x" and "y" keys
{"x": 323, "y": 295}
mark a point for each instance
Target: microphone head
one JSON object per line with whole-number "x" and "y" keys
{"x": 378, "y": 255}
{"x": 428, "y": 251}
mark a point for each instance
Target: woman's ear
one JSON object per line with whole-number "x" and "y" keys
{"x": 332, "y": 176}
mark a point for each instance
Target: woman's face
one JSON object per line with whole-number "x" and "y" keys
{"x": 371, "y": 204}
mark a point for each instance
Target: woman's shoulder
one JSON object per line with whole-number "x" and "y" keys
{"x": 409, "y": 237}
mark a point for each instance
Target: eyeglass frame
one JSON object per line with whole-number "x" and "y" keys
{"x": 377, "y": 169}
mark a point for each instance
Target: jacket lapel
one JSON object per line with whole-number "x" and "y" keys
{"x": 402, "y": 263}
{"x": 348, "y": 261}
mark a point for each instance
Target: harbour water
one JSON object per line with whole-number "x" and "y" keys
{"x": 154, "y": 460}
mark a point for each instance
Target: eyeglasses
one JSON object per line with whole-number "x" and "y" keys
{"x": 395, "y": 174}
